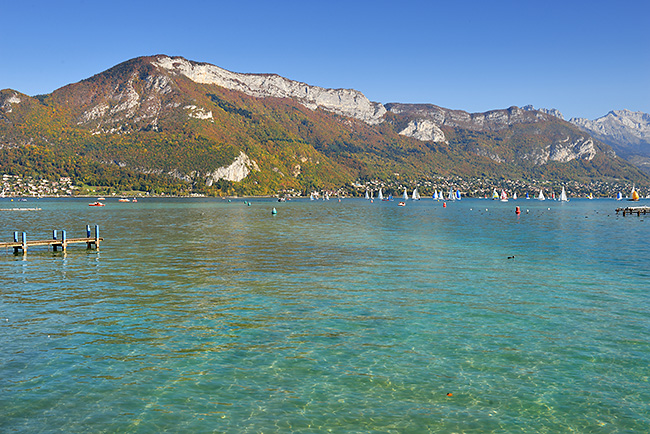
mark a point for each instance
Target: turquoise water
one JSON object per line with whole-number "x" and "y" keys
{"x": 200, "y": 315}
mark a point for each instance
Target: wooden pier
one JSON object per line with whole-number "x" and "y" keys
{"x": 638, "y": 210}
{"x": 56, "y": 241}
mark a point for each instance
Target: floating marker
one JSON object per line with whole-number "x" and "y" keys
{"x": 274, "y": 211}
{"x": 517, "y": 211}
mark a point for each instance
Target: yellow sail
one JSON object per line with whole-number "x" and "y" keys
{"x": 635, "y": 195}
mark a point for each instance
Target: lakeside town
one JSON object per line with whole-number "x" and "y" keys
{"x": 17, "y": 186}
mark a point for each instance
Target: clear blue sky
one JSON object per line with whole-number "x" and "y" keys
{"x": 584, "y": 58}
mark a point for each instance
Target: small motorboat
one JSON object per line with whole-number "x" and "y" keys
{"x": 96, "y": 204}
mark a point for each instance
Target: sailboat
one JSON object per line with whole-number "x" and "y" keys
{"x": 514, "y": 196}
{"x": 541, "y": 195}
{"x": 415, "y": 195}
{"x": 405, "y": 196}
{"x": 527, "y": 195}
{"x": 504, "y": 196}
{"x": 591, "y": 196}
{"x": 619, "y": 196}
{"x": 367, "y": 195}
{"x": 563, "y": 197}
{"x": 634, "y": 196}
{"x": 380, "y": 195}
{"x": 435, "y": 195}
{"x": 457, "y": 194}
{"x": 495, "y": 195}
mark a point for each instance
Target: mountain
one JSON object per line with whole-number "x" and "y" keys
{"x": 167, "y": 124}
{"x": 627, "y": 132}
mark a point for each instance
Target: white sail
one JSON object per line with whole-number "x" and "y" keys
{"x": 415, "y": 195}
{"x": 514, "y": 196}
{"x": 563, "y": 197}
{"x": 406, "y": 195}
{"x": 380, "y": 195}
{"x": 367, "y": 195}
{"x": 541, "y": 195}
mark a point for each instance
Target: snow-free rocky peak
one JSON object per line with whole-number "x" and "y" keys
{"x": 346, "y": 102}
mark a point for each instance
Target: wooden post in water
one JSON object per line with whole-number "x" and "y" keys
{"x": 64, "y": 241}
{"x": 24, "y": 241}
{"x": 54, "y": 238}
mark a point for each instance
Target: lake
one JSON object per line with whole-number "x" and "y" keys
{"x": 204, "y": 315}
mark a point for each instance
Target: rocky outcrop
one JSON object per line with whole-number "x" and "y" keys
{"x": 346, "y": 102}
{"x": 7, "y": 99}
{"x": 552, "y": 112}
{"x": 237, "y": 171}
{"x": 425, "y": 130}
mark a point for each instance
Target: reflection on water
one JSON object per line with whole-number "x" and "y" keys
{"x": 204, "y": 315}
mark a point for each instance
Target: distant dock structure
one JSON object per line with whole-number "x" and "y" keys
{"x": 638, "y": 210}
{"x": 58, "y": 240}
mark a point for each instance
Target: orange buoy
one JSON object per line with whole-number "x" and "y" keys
{"x": 450, "y": 394}
{"x": 517, "y": 211}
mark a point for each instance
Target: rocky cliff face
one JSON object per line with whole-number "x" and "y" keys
{"x": 493, "y": 120}
{"x": 346, "y": 102}
{"x": 8, "y": 99}
{"x": 553, "y": 112}
{"x": 627, "y": 132}
{"x": 622, "y": 127}
{"x": 237, "y": 171}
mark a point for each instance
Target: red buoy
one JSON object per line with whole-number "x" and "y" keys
{"x": 517, "y": 211}
{"x": 444, "y": 204}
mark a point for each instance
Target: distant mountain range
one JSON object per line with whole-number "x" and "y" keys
{"x": 165, "y": 123}
{"x": 627, "y": 132}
